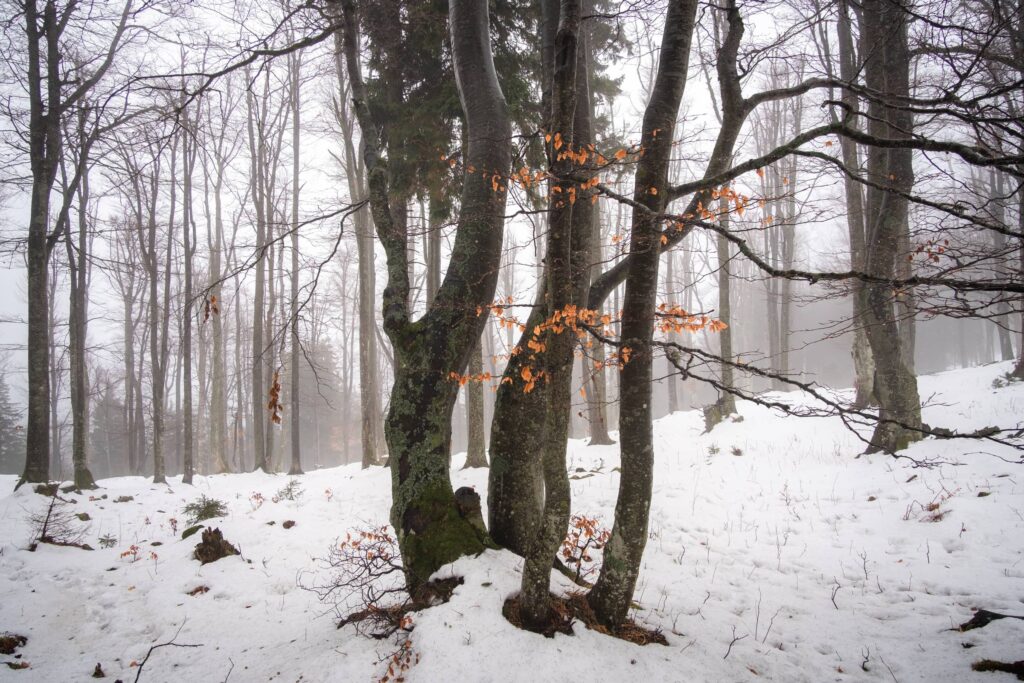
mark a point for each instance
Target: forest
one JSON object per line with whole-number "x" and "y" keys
{"x": 512, "y": 340}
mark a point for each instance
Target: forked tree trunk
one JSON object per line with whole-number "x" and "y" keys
{"x": 430, "y": 530}
{"x": 610, "y": 598}
{"x": 568, "y": 263}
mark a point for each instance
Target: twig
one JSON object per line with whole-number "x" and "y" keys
{"x": 770, "y": 624}
{"x": 735, "y": 639}
{"x": 138, "y": 674}
{"x": 230, "y": 669}
{"x": 889, "y": 668}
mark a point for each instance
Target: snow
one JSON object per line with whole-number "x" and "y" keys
{"x": 823, "y": 566}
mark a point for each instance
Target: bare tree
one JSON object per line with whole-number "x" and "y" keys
{"x": 613, "y": 591}
{"x": 55, "y": 89}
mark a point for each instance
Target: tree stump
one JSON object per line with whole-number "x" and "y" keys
{"x": 213, "y": 547}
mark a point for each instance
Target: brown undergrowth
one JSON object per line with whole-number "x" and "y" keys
{"x": 574, "y": 607}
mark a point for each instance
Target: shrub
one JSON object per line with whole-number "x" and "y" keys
{"x": 291, "y": 491}
{"x": 585, "y": 534}
{"x": 204, "y": 508}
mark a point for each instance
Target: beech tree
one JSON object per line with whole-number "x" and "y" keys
{"x": 430, "y": 530}
{"x": 55, "y": 88}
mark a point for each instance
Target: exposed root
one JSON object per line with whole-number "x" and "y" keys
{"x": 575, "y": 607}
{"x": 382, "y": 622}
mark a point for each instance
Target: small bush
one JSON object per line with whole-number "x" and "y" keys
{"x": 291, "y": 491}
{"x": 58, "y": 524}
{"x": 585, "y": 535}
{"x": 107, "y": 541}
{"x": 204, "y": 508}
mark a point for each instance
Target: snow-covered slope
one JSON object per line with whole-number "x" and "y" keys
{"x": 774, "y": 553}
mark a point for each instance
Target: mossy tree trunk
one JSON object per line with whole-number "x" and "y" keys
{"x": 430, "y": 530}
{"x": 515, "y": 486}
{"x": 611, "y": 595}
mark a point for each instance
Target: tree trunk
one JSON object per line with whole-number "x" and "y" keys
{"x": 476, "y": 455}
{"x": 515, "y": 478}
{"x": 190, "y": 149}
{"x": 726, "y": 404}
{"x": 671, "y": 395}
{"x": 886, "y": 71}
{"x": 296, "y": 424}
{"x": 430, "y": 530}
{"x": 78, "y": 315}
{"x": 44, "y": 150}
{"x": 571, "y": 226}
{"x": 369, "y": 389}
{"x": 610, "y": 598}
{"x": 55, "y": 376}
{"x": 1003, "y": 324}
{"x": 595, "y": 377}
{"x": 1018, "y": 370}
{"x": 863, "y": 362}
{"x": 218, "y": 371}
{"x": 256, "y": 152}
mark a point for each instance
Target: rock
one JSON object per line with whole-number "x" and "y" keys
{"x": 9, "y": 642}
{"x": 288, "y": 524}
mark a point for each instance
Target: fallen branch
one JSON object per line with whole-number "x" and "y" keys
{"x": 983, "y": 618}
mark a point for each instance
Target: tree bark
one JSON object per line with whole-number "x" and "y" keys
{"x": 887, "y": 71}
{"x": 215, "y": 246}
{"x": 78, "y": 313}
{"x": 476, "y": 454}
{"x": 726, "y": 404}
{"x": 863, "y": 361}
{"x": 296, "y": 424}
{"x": 430, "y": 530}
{"x": 571, "y": 226}
{"x": 610, "y": 598}
{"x": 256, "y": 153}
{"x": 190, "y": 150}
{"x": 515, "y": 479}
{"x": 371, "y": 426}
